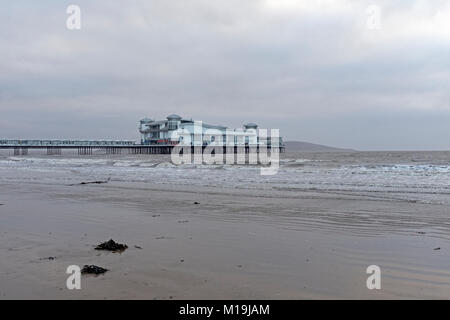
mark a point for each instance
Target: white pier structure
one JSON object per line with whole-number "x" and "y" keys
{"x": 174, "y": 130}
{"x": 158, "y": 137}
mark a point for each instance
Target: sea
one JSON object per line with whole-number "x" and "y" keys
{"x": 421, "y": 176}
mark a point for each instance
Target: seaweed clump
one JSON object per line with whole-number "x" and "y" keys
{"x": 93, "y": 269}
{"x": 111, "y": 245}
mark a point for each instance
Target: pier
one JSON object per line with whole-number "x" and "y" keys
{"x": 112, "y": 147}
{"x": 161, "y": 137}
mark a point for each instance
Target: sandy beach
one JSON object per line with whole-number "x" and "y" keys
{"x": 193, "y": 242}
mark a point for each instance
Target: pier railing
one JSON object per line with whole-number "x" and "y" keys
{"x": 65, "y": 143}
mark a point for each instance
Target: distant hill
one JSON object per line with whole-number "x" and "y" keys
{"x": 311, "y": 147}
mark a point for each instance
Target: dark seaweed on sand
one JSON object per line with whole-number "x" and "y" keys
{"x": 111, "y": 245}
{"x": 92, "y": 182}
{"x": 93, "y": 269}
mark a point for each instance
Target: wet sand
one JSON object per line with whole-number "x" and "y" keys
{"x": 234, "y": 244}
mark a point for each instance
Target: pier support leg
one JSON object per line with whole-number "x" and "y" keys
{"x": 20, "y": 151}
{"x": 53, "y": 151}
{"x": 84, "y": 150}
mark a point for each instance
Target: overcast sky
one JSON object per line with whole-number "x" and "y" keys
{"x": 321, "y": 71}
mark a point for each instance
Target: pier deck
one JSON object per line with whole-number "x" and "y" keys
{"x": 56, "y": 149}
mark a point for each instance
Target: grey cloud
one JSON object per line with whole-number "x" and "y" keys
{"x": 224, "y": 62}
